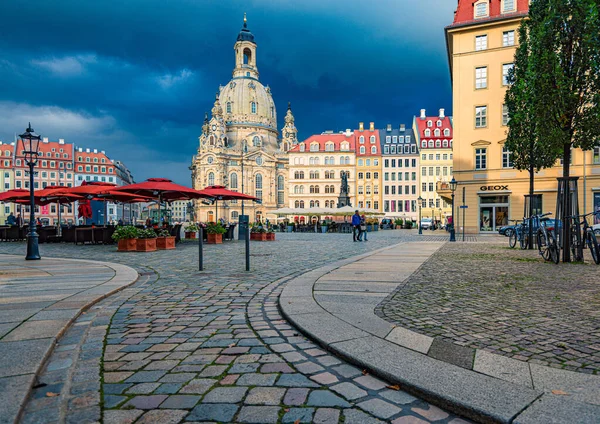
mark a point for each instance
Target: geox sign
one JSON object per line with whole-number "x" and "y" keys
{"x": 493, "y": 188}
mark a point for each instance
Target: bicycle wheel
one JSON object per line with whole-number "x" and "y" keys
{"x": 512, "y": 239}
{"x": 523, "y": 238}
{"x": 593, "y": 245}
{"x": 542, "y": 245}
{"x": 576, "y": 252}
{"x": 553, "y": 249}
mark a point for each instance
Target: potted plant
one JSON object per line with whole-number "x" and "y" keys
{"x": 165, "y": 241}
{"x": 399, "y": 223}
{"x": 408, "y": 225}
{"x": 190, "y": 231}
{"x": 214, "y": 233}
{"x": 146, "y": 241}
{"x": 126, "y": 238}
{"x": 270, "y": 235}
{"x": 258, "y": 233}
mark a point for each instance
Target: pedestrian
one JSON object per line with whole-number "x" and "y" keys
{"x": 11, "y": 219}
{"x": 363, "y": 228}
{"x": 19, "y": 220}
{"x": 356, "y": 226}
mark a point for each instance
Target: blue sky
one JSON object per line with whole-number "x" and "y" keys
{"x": 134, "y": 78}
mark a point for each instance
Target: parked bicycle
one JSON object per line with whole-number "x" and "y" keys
{"x": 546, "y": 240}
{"x": 521, "y": 234}
{"x": 584, "y": 238}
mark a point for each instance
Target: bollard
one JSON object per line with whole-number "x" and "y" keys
{"x": 248, "y": 249}
{"x": 200, "y": 253}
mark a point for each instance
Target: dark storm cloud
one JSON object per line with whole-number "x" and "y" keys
{"x": 134, "y": 78}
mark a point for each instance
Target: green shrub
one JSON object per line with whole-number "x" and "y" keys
{"x": 212, "y": 228}
{"x": 124, "y": 233}
{"x": 147, "y": 234}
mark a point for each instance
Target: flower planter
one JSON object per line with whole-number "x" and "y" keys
{"x": 190, "y": 234}
{"x": 214, "y": 238}
{"x": 323, "y": 229}
{"x": 258, "y": 236}
{"x": 270, "y": 236}
{"x": 165, "y": 243}
{"x": 290, "y": 228}
{"x": 146, "y": 245}
{"x": 127, "y": 245}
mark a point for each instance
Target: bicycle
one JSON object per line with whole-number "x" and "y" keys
{"x": 512, "y": 234}
{"x": 579, "y": 240}
{"x": 546, "y": 240}
{"x": 521, "y": 234}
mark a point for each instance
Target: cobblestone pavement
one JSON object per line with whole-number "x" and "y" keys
{"x": 506, "y": 301}
{"x": 212, "y": 347}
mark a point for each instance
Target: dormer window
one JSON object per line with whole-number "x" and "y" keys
{"x": 481, "y": 9}
{"x": 362, "y": 140}
{"x": 408, "y": 138}
{"x": 439, "y": 123}
{"x": 427, "y": 133}
{"x": 437, "y": 132}
{"x": 302, "y": 147}
{"x": 372, "y": 139}
{"x": 446, "y": 132}
{"x": 508, "y": 6}
{"x": 429, "y": 124}
{"x": 314, "y": 147}
{"x": 388, "y": 139}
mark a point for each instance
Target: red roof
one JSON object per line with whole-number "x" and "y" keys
{"x": 322, "y": 139}
{"x": 46, "y": 147}
{"x": 368, "y": 145}
{"x": 422, "y": 127}
{"x": 465, "y": 11}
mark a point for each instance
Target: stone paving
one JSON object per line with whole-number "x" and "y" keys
{"x": 212, "y": 347}
{"x": 510, "y": 302}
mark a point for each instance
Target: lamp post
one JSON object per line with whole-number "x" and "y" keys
{"x": 31, "y": 142}
{"x": 453, "y": 185}
{"x": 420, "y": 200}
{"x": 243, "y": 219}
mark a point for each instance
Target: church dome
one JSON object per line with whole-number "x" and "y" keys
{"x": 246, "y": 101}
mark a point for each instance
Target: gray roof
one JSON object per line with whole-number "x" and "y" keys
{"x": 398, "y": 135}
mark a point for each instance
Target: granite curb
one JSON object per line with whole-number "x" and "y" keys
{"x": 34, "y": 337}
{"x": 329, "y": 305}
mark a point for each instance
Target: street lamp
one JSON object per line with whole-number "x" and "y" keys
{"x": 420, "y": 200}
{"x": 243, "y": 219}
{"x": 31, "y": 142}
{"x": 440, "y": 223}
{"x": 453, "y": 185}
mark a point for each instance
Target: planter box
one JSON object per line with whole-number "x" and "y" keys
{"x": 127, "y": 245}
{"x": 214, "y": 238}
{"x": 258, "y": 236}
{"x": 290, "y": 228}
{"x": 323, "y": 229}
{"x": 270, "y": 236}
{"x": 190, "y": 234}
{"x": 165, "y": 243}
{"x": 146, "y": 245}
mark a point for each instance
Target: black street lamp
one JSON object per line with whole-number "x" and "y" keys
{"x": 453, "y": 185}
{"x": 420, "y": 200}
{"x": 31, "y": 142}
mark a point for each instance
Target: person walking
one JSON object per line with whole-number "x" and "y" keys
{"x": 19, "y": 220}
{"x": 363, "y": 228}
{"x": 356, "y": 226}
{"x": 11, "y": 219}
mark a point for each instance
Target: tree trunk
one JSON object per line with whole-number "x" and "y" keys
{"x": 531, "y": 186}
{"x": 566, "y": 205}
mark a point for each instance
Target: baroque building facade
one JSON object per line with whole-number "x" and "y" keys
{"x": 240, "y": 147}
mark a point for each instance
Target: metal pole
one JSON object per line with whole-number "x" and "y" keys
{"x": 200, "y": 253}
{"x": 33, "y": 251}
{"x": 464, "y": 212}
{"x": 248, "y": 249}
{"x": 452, "y": 231}
{"x": 420, "y": 227}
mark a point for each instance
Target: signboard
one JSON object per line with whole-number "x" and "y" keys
{"x": 493, "y": 188}
{"x": 44, "y": 210}
{"x": 464, "y": 206}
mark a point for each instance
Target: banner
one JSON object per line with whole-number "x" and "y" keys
{"x": 44, "y": 210}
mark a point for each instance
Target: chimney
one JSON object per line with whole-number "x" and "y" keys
{"x": 348, "y": 132}
{"x": 61, "y": 141}
{"x": 371, "y": 126}
{"x": 95, "y": 150}
{"x": 87, "y": 150}
{"x": 1, "y": 143}
{"x": 402, "y": 127}
{"x": 80, "y": 150}
{"x": 12, "y": 144}
{"x": 422, "y": 113}
{"x": 361, "y": 126}
{"x": 442, "y": 113}
{"x": 389, "y": 127}
{"x": 103, "y": 152}
{"x": 45, "y": 139}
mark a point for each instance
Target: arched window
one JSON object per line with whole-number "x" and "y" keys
{"x": 297, "y": 189}
{"x": 326, "y": 203}
{"x": 253, "y": 107}
{"x": 427, "y": 133}
{"x": 431, "y": 144}
{"x": 436, "y": 132}
{"x": 316, "y": 204}
{"x": 258, "y": 184}
{"x": 256, "y": 141}
{"x": 424, "y": 143}
{"x": 481, "y": 9}
{"x": 317, "y": 161}
{"x": 332, "y": 189}
{"x": 247, "y": 56}
{"x": 211, "y": 141}
{"x": 362, "y": 150}
{"x": 228, "y": 107}
{"x": 311, "y": 161}
{"x": 445, "y": 143}
{"x": 211, "y": 179}
{"x": 233, "y": 181}
{"x": 301, "y": 204}
{"x": 362, "y": 139}
{"x": 302, "y": 147}
{"x": 373, "y": 150}
{"x": 438, "y": 143}
{"x": 326, "y": 160}
{"x": 372, "y": 139}
{"x": 280, "y": 182}
{"x": 329, "y": 147}
{"x": 312, "y": 203}
{"x": 272, "y": 112}
{"x": 297, "y": 204}
{"x": 439, "y": 123}
{"x": 429, "y": 124}
{"x": 446, "y": 132}
{"x": 347, "y": 160}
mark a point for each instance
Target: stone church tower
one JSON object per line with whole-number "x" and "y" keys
{"x": 240, "y": 146}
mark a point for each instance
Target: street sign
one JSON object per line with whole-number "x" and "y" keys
{"x": 464, "y": 206}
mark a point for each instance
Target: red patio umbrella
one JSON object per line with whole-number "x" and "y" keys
{"x": 217, "y": 192}
{"x": 13, "y": 195}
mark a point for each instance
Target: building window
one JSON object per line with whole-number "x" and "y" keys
{"x": 505, "y": 117}
{"x": 211, "y": 179}
{"x": 388, "y": 139}
{"x": 505, "y": 68}
{"x": 480, "y": 116}
{"x": 508, "y": 6}
{"x": 427, "y": 133}
{"x": 506, "y": 158}
{"x": 508, "y": 38}
{"x": 481, "y": 9}
{"x": 329, "y": 147}
{"x": 233, "y": 181}
{"x": 596, "y": 155}
{"x": 373, "y": 150}
{"x": 372, "y": 139}
{"x": 302, "y": 147}
{"x": 480, "y": 158}
{"x": 228, "y": 107}
{"x": 362, "y": 140}
{"x": 314, "y": 147}
{"x": 258, "y": 185}
{"x": 481, "y": 77}
{"x": 360, "y": 190}
{"x": 480, "y": 42}
{"x": 362, "y": 150}
{"x": 253, "y": 107}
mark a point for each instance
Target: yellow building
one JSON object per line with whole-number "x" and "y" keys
{"x": 369, "y": 181}
{"x": 7, "y": 179}
{"x": 434, "y": 139}
{"x": 481, "y": 46}
{"x": 316, "y": 167}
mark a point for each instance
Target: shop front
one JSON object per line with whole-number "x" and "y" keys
{"x": 493, "y": 212}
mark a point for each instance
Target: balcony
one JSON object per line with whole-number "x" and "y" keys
{"x": 443, "y": 190}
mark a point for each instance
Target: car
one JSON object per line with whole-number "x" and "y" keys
{"x": 426, "y": 223}
{"x": 596, "y": 229}
{"x": 506, "y": 230}
{"x": 386, "y": 224}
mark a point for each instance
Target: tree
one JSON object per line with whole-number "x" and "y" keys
{"x": 554, "y": 100}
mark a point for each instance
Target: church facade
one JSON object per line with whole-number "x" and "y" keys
{"x": 240, "y": 147}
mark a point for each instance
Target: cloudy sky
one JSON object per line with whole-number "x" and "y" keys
{"x": 134, "y": 78}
